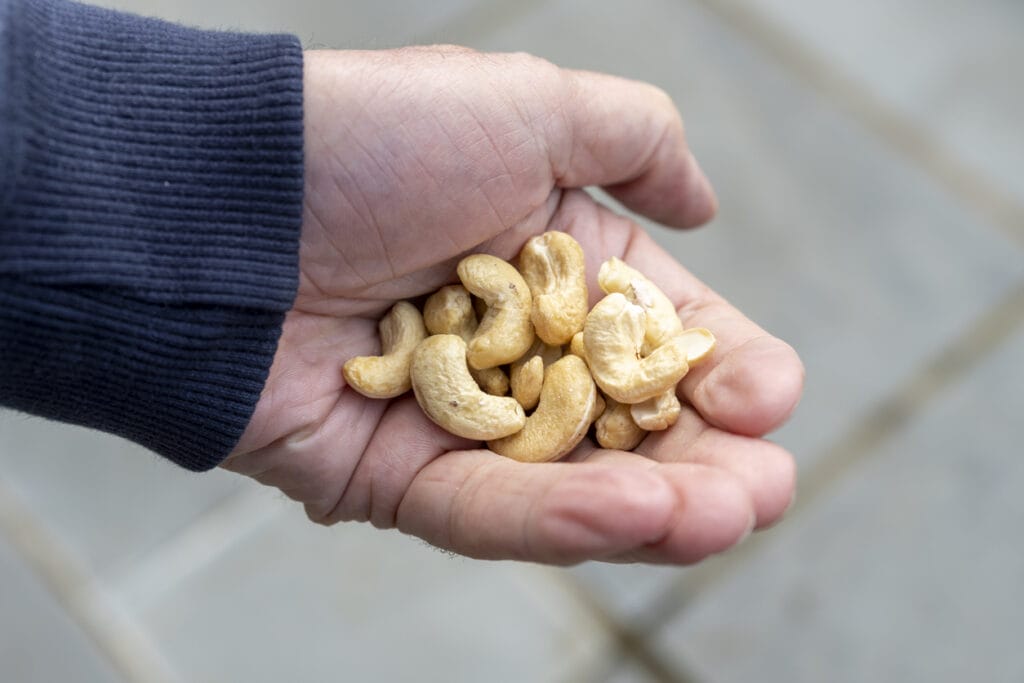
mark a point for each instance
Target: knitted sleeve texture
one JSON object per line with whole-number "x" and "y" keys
{"x": 150, "y": 204}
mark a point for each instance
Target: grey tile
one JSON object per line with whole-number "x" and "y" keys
{"x": 625, "y": 671}
{"x": 911, "y": 569}
{"x": 344, "y": 25}
{"x": 39, "y": 643}
{"x": 825, "y": 236}
{"x": 300, "y": 602}
{"x": 950, "y": 67}
{"x": 626, "y": 590}
{"x": 109, "y": 500}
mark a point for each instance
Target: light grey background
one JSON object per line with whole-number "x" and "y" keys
{"x": 868, "y": 161}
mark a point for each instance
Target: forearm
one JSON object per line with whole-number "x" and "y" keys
{"x": 151, "y": 197}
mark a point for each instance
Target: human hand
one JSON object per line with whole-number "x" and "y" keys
{"x": 417, "y": 156}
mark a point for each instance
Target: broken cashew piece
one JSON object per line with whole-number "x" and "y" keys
{"x": 662, "y": 318}
{"x": 561, "y": 419}
{"x": 615, "y": 427}
{"x": 387, "y": 375}
{"x": 526, "y": 375}
{"x": 662, "y": 411}
{"x": 449, "y": 310}
{"x": 505, "y": 333}
{"x": 699, "y": 342}
{"x": 576, "y": 346}
{"x": 526, "y": 380}
{"x": 613, "y": 336}
{"x": 658, "y": 413}
{"x": 450, "y": 397}
{"x": 553, "y": 266}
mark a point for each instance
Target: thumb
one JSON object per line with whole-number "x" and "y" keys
{"x": 627, "y": 137}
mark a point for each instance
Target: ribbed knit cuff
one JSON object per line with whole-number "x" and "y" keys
{"x": 149, "y": 239}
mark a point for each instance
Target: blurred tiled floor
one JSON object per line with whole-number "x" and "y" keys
{"x": 867, "y": 158}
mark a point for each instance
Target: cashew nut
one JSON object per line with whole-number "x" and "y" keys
{"x": 450, "y": 397}
{"x": 553, "y": 266}
{"x": 615, "y": 427}
{"x": 612, "y": 337}
{"x": 632, "y": 346}
{"x": 479, "y": 307}
{"x": 526, "y": 380}
{"x": 561, "y": 419}
{"x": 526, "y": 375}
{"x": 698, "y": 342}
{"x": 505, "y": 333}
{"x": 599, "y": 407}
{"x": 658, "y": 413}
{"x": 662, "y": 411}
{"x": 449, "y": 310}
{"x": 662, "y": 319}
{"x": 387, "y": 375}
{"x": 576, "y": 345}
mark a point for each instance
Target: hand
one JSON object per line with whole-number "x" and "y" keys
{"x": 417, "y": 156}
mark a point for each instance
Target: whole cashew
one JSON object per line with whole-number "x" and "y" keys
{"x": 662, "y": 319}
{"x": 655, "y": 414}
{"x": 505, "y": 333}
{"x": 449, "y": 310}
{"x": 553, "y": 266}
{"x": 612, "y": 337}
{"x": 561, "y": 419}
{"x": 387, "y": 375}
{"x": 526, "y": 375}
{"x": 615, "y": 427}
{"x": 451, "y": 398}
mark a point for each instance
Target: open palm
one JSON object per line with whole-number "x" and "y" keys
{"x": 418, "y": 156}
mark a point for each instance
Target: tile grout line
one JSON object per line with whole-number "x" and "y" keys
{"x": 971, "y": 186}
{"x": 630, "y": 642}
{"x": 950, "y": 365}
{"x": 117, "y": 637}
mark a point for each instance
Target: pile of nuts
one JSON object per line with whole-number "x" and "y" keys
{"x": 615, "y": 366}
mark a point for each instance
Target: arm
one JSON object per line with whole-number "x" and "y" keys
{"x": 413, "y": 158}
{"x": 150, "y": 204}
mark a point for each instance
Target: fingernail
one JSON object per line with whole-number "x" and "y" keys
{"x": 702, "y": 201}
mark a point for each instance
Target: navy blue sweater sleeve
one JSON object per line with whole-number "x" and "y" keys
{"x": 150, "y": 204}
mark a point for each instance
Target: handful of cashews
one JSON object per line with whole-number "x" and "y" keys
{"x": 615, "y": 366}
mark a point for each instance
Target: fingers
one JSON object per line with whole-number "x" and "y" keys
{"x": 627, "y": 136}
{"x": 766, "y": 471}
{"x": 481, "y": 505}
{"x": 752, "y": 381}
